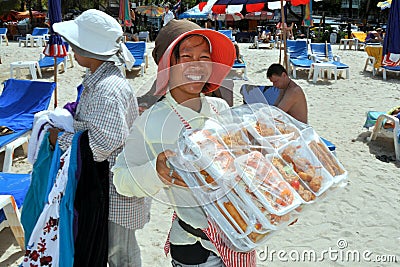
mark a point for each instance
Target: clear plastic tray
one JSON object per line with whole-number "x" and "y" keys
{"x": 292, "y": 178}
{"x": 266, "y": 184}
{"x": 327, "y": 159}
{"x": 239, "y": 222}
{"x": 281, "y": 117}
{"x": 211, "y": 153}
{"x": 273, "y": 220}
{"x": 307, "y": 166}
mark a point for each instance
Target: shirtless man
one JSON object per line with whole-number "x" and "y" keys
{"x": 291, "y": 98}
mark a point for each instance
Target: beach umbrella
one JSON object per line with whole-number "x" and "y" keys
{"x": 391, "y": 44}
{"x": 124, "y": 13}
{"x": 229, "y": 17}
{"x": 194, "y": 13}
{"x": 384, "y": 4}
{"x": 55, "y": 46}
{"x": 150, "y": 11}
{"x": 259, "y": 15}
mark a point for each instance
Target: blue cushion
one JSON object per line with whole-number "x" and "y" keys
{"x": 16, "y": 185}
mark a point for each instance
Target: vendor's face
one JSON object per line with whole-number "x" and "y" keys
{"x": 279, "y": 81}
{"x": 191, "y": 69}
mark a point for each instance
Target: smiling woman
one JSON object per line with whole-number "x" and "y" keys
{"x": 191, "y": 62}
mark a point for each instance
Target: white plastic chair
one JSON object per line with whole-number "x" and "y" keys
{"x": 390, "y": 133}
{"x": 3, "y": 35}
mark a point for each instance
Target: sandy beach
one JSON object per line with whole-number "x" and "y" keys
{"x": 359, "y": 219}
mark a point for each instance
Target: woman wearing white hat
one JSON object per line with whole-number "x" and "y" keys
{"x": 107, "y": 109}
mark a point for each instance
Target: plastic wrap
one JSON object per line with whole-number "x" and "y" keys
{"x": 254, "y": 170}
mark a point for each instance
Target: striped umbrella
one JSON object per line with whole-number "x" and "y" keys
{"x": 55, "y": 46}
{"x": 391, "y": 44}
{"x": 150, "y": 11}
{"x": 124, "y": 13}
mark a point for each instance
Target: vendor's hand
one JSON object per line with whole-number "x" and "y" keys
{"x": 53, "y": 135}
{"x": 168, "y": 175}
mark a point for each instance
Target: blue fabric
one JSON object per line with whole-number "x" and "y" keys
{"x": 238, "y": 65}
{"x": 304, "y": 63}
{"x": 16, "y": 185}
{"x": 227, "y": 33}
{"x": 37, "y": 32}
{"x": 259, "y": 94}
{"x": 67, "y": 209}
{"x": 20, "y": 100}
{"x": 392, "y": 36}
{"x": 319, "y": 50}
{"x": 48, "y": 62}
{"x": 372, "y": 117}
{"x": 397, "y": 68}
{"x": 137, "y": 49}
{"x": 329, "y": 144}
{"x": 36, "y": 196}
{"x": 297, "y": 49}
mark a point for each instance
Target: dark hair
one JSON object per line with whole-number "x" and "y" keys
{"x": 275, "y": 69}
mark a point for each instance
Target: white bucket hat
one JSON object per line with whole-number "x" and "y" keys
{"x": 97, "y": 33}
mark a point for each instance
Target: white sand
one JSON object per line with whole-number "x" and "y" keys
{"x": 365, "y": 213}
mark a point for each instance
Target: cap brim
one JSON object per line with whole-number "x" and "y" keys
{"x": 222, "y": 52}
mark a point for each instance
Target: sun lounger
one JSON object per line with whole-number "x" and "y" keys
{"x": 19, "y": 102}
{"x": 379, "y": 130}
{"x": 38, "y": 35}
{"x": 13, "y": 188}
{"x": 138, "y": 51}
{"x": 3, "y": 36}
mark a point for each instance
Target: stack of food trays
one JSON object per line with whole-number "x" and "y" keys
{"x": 255, "y": 175}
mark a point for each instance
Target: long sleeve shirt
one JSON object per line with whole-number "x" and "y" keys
{"x": 107, "y": 109}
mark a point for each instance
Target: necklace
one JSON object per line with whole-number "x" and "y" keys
{"x": 185, "y": 122}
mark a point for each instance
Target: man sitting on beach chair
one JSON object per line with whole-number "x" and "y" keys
{"x": 291, "y": 98}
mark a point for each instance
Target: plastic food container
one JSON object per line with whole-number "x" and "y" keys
{"x": 324, "y": 155}
{"x": 292, "y": 178}
{"x": 307, "y": 166}
{"x": 265, "y": 184}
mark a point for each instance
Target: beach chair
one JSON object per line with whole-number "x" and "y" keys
{"x": 297, "y": 56}
{"x": 322, "y": 52}
{"x": 138, "y": 50}
{"x": 19, "y": 102}
{"x": 240, "y": 66}
{"x": 46, "y": 62}
{"x": 359, "y": 38}
{"x": 374, "y": 58}
{"x": 3, "y": 35}
{"x": 144, "y": 36}
{"x": 268, "y": 95}
{"x": 379, "y": 130}
{"x": 13, "y": 189}
{"x": 228, "y": 33}
{"x": 38, "y": 35}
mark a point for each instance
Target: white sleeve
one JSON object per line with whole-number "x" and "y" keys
{"x": 135, "y": 168}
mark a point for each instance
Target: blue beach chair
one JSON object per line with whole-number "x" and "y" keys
{"x": 322, "y": 52}
{"x": 138, "y": 50}
{"x": 19, "y": 102}
{"x": 13, "y": 189}
{"x": 298, "y": 57}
